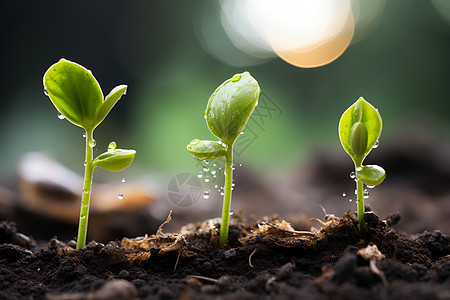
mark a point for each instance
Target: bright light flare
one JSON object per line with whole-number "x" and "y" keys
{"x": 305, "y": 33}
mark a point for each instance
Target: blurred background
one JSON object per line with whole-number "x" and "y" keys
{"x": 173, "y": 54}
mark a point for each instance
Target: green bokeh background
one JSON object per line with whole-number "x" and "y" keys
{"x": 402, "y": 68}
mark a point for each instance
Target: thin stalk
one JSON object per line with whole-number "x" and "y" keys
{"x": 86, "y": 194}
{"x": 360, "y": 203}
{"x": 226, "y": 198}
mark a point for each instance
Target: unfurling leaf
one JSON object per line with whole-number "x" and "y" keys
{"x": 110, "y": 100}
{"x": 74, "y": 92}
{"x": 204, "y": 150}
{"x": 359, "y": 129}
{"x": 231, "y": 105}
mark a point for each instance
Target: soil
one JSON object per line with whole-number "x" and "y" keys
{"x": 263, "y": 259}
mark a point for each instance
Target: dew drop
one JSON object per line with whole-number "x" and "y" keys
{"x": 123, "y": 180}
{"x": 240, "y": 165}
{"x": 213, "y": 172}
{"x": 61, "y": 117}
{"x": 352, "y": 175}
{"x": 233, "y": 184}
{"x": 365, "y": 194}
{"x": 84, "y": 134}
{"x": 112, "y": 146}
{"x": 350, "y": 200}
{"x": 205, "y": 169}
{"x": 370, "y": 186}
{"x": 216, "y": 186}
{"x": 206, "y": 180}
{"x": 358, "y": 169}
{"x": 214, "y": 165}
{"x": 200, "y": 174}
{"x": 344, "y": 194}
{"x": 92, "y": 143}
{"x": 231, "y": 213}
{"x": 206, "y": 161}
{"x": 221, "y": 193}
{"x": 120, "y": 196}
{"x": 83, "y": 218}
{"x": 242, "y": 132}
{"x": 206, "y": 195}
{"x": 85, "y": 191}
{"x": 377, "y": 143}
{"x": 45, "y": 92}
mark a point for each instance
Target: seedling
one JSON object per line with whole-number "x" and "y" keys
{"x": 359, "y": 130}
{"x": 227, "y": 112}
{"x": 77, "y": 96}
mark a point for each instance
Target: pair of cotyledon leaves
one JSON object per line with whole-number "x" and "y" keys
{"x": 227, "y": 112}
{"x": 76, "y": 94}
{"x": 359, "y": 130}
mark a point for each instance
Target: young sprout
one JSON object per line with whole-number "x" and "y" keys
{"x": 359, "y": 131}
{"x": 76, "y": 94}
{"x": 227, "y": 112}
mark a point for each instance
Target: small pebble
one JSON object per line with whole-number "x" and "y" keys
{"x": 229, "y": 253}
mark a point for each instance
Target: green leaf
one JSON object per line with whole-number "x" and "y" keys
{"x": 110, "y": 100}
{"x": 231, "y": 105}
{"x": 371, "y": 174}
{"x": 359, "y": 129}
{"x": 115, "y": 159}
{"x": 74, "y": 92}
{"x": 206, "y": 149}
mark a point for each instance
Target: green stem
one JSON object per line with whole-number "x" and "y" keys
{"x": 360, "y": 203}
{"x": 226, "y": 198}
{"x": 86, "y": 194}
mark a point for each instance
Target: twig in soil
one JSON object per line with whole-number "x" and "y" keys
{"x": 250, "y": 259}
{"x": 169, "y": 217}
{"x": 176, "y": 263}
{"x": 203, "y": 278}
{"x": 375, "y": 270}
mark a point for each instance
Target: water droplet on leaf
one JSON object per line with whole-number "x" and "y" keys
{"x": 377, "y": 143}
{"x": 352, "y": 175}
{"x": 213, "y": 172}
{"x": 92, "y": 143}
{"x": 112, "y": 146}
{"x": 200, "y": 174}
{"x": 61, "y": 117}
{"x": 120, "y": 196}
{"x": 206, "y": 195}
{"x": 344, "y": 194}
{"x": 358, "y": 169}
{"x": 205, "y": 169}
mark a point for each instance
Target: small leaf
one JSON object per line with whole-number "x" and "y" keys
{"x": 206, "y": 149}
{"x": 110, "y": 100}
{"x": 359, "y": 129}
{"x": 231, "y": 105}
{"x": 115, "y": 159}
{"x": 74, "y": 92}
{"x": 371, "y": 174}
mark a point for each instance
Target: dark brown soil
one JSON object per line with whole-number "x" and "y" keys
{"x": 264, "y": 259}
